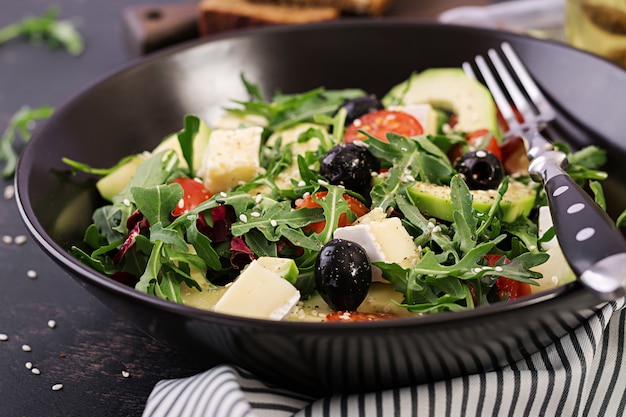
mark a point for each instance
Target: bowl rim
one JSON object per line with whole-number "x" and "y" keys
{"x": 83, "y": 272}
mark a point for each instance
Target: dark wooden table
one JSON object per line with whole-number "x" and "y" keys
{"x": 106, "y": 366}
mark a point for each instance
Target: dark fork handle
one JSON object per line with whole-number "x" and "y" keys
{"x": 591, "y": 243}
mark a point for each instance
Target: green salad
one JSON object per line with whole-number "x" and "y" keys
{"x": 335, "y": 205}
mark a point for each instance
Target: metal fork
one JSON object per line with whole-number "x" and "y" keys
{"x": 591, "y": 243}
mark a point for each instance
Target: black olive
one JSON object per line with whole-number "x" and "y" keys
{"x": 359, "y": 106}
{"x": 480, "y": 169}
{"x": 343, "y": 274}
{"x": 350, "y": 165}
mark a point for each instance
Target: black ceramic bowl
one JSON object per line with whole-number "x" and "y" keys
{"x": 134, "y": 108}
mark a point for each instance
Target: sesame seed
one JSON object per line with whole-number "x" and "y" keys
{"x": 243, "y": 217}
{"x": 499, "y": 269}
{"x": 273, "y": 222}
{"x": 36, "y": 371}
{"x": 126, "y": 202}
{"x": 7, "y": 239}
{"x": 20, "y": 240}
{"x": 4, "y": 337}
{"x": 477, "y": 270}
{"x": 57, "y": 387}
{"x": 322, "y": 182}
{"x": 9, "y": 192}
{"x": 196, "y": 179}
{"x": 28, "y": 365}
{"x": 52, "y": 324}
{"x": 26, "y": 348}
{"x": 555, "y": 279}
{"x": 258, "y": 198}
{"x": 223, "y": 194}
{"x": 181, "y": 203}
{"x": 31, "y": 274}
{"x": 481, "y": 154}
{"x": 125, "y": 374}
{"x": 255, "y": 214}
{"x": 301, "y": 184}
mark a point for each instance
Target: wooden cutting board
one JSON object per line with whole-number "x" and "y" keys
{"x": 149, "y": 28}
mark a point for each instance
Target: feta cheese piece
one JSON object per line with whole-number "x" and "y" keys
{"x": 231, "y": 158}
{"x": 259, "y": 293}
{"x": 384, "y": 240}
{"x": 424, "y": 113}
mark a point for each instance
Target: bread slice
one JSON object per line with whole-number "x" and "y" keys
{"x": 222, "y": 15}
{"x": 361, "y": 7}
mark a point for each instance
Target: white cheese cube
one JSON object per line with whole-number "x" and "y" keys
{"x": 259, "y": 293}
{"x": 384, "y": 240}
{"x": 424, "y": 113}
{"x": 231, "y": 158}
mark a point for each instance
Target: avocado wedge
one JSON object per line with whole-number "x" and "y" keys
{"x": 452, "y": 90}
{"x": 435, "y": 201}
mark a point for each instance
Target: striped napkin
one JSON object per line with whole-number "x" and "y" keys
{"x": 582, "y": 374}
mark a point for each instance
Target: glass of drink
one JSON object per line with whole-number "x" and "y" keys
{"x": 598, "y": 26}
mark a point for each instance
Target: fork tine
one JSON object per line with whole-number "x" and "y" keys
{"x": 499, "y": 97}
{"x": 546, "y": 112}
{"x": 519, "y": 99}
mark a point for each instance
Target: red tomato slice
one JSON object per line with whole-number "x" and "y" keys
{"x": 508, "y": 289}
{"x": 354, "y": 205}
{"x": 380, "y": 122}
{"x": 194, "y": 193}
{"x": 476, "y": 138}
{"x": 345, "y": 316}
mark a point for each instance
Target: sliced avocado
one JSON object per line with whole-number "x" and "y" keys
{"x": 449, "y": 89}
{"x": 285, "y": 267}
{"x": 112, "y": 184}
{"x": 434, "y": 200}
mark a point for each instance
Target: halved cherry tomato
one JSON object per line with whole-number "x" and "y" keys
{"x": 380, "y": 122}
{"x": 346, "y": 316}
{"x": 354, "y": 205}
{"x": 194, "y": 193}
{"x": 508, "y": 289}
{"x": 476, "y": 137}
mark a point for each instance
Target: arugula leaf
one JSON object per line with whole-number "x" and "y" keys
{"x": 334, "y": 205}
{"x": 157, "y": 202}
{"x": 82, "y": 167}
{"x": 463, "y": 214}
{"x": 186, "y": 137}
{"x": 202, "y": 245}
{"x": 108, "y": 219}
{"x": 168, "y": 236}
{"x": 417, "y": 219}
{"x": 598, "y": 193}
{"x": 19, "y": 127}
{"x": 287, "y": 110}
{"x": 151, "y": 273}
{"x": 46, "y": 28}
